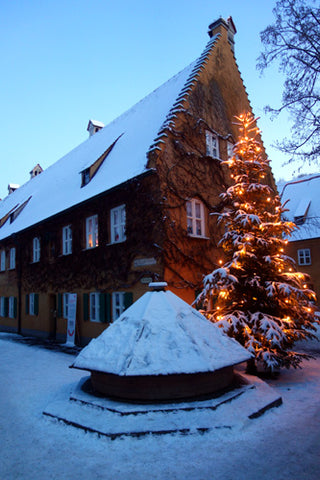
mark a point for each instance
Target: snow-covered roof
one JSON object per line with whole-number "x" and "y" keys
{"x": 160, "y": 334}
{"x": 136, "y": 132}
{"x": 302, "y": 195}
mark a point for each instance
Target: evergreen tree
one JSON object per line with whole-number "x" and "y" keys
{"x": 257, "y": 296}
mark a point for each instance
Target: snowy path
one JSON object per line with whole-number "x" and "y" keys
{"x": 283, "y": 443}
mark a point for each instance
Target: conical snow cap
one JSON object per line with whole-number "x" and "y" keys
{"x": 160, "y": 334}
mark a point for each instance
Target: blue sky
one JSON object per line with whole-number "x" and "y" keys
{"x": 64, "y": 62}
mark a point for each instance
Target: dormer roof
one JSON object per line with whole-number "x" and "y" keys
{"x": 303, "y": 203}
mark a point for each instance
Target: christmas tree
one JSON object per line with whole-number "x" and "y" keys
{"x": 257, "y": 296}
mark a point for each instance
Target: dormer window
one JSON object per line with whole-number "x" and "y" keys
{"x": 301, "y": 212}
{"x": 85, "y": 177}
{"x": 94, "y": 126}
{"x": 212, "y": 144}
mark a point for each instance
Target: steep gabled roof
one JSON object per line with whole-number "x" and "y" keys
{"x": 303, "y": 203}
{"x": 137, "y": 132}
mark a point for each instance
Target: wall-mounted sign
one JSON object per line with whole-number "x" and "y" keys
{"x": 142, "y": 262}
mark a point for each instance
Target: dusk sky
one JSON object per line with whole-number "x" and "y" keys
{"x": 64, "y": 62}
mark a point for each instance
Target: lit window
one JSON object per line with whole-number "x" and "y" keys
{"x": 118, "y": 224}
{"x": 12, "y": 307}
{"x": 36, "y": 250}
{"x": 92, "y": 231}
{"x": 118, "y": 304}
{"x": 66, "y": 240}
{"x": 195, "y": 218}
{"x": 3, "y": 261}
{"x": 12, "y": 258}
{"x": 94, "y": 307}
{"x": 212, "y": 142}
{"x": 304, "y": 256}
{"x": 65, "y": 305}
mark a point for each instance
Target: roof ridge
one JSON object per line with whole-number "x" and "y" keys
{"x": 199, "y": 64}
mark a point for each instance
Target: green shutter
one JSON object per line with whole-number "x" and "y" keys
{"x": 105, "y": 307}
{"x": 59, "y": 305}
{"x": 15, "y": 307}
{"x": 102, "y": 307}
{"x": 27, "y": 304}
{"x": 85, "y": 307}
{"x": 108, "y": 307}
{"x": 36, "y": 303}
{"x": 6, "y": 306}
{"x": 128, "y": 299}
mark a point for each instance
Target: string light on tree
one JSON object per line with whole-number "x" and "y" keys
{"x": 256, "y": 295}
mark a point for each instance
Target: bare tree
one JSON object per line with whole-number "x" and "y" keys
{"x": 293, "y": 41}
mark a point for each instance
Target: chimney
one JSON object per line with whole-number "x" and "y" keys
{"x": 228, "y": 25}
{"x": 94, "y": 126}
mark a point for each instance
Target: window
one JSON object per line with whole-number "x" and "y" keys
{"x": 212, "y": 142}
{"x": 12, "y": 258}
{"x": 120, "y": 302}
{"x": 32, "y": 303}
{"x": 229, "y": 149}
{"x": 85, "y": 177}
{"x": 66, "y": 240}
{"x": 65, "y": 305}
{"x": 12, "y": 307}
{"x": 92, "y": 231}
{"x": 195, "y": 218}
{"x": 304, "y": 256}
{"x": 36, "y": 250}
{"x": 117, "y": 304}
{"x": 118, "y": 224}
{"x": 3, "y": 261}
{"x": 94, "y": 307}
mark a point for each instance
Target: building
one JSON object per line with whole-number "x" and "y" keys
{"x": 128, "y": 206}
{"x": 301, "y": 196}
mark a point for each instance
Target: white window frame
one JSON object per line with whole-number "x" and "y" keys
{"x": 212, "y": 144}
{"x": 94, "y": 307}
{"x": 2, "y": 300}
{"x": 67, "y": 240}
{"x": 11, "y": 307}
{"x": 65, "y": 305}
{"x": 31, "y": 304}
{"x": 230, "y": 147}
{"x": 3, "y": 261}
{"x": 195, "y": 218}
{"x": 12, "y": 264}
{"x": 92, "y": 239}
{"x": 36, "y": 250}
{"x": 304, "y": 256}
{"x": 117, "y": 304}
{"x": 118, "y": 224}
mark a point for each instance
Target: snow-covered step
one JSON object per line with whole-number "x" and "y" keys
{"x": 111, "y": 418}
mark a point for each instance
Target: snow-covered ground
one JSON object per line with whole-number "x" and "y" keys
{"x": 284, "y": 443}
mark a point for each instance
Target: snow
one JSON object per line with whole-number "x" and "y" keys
{"x": 283, "y": 443}
{"x": 160, "y": 334}
{"x": 59, "y": 186}
{"x": 301, "y": 193}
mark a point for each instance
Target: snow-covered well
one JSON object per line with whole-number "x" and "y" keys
{"x": 161, "y": 348}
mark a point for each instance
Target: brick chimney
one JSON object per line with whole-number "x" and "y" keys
{"x": 228, "y": 24}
